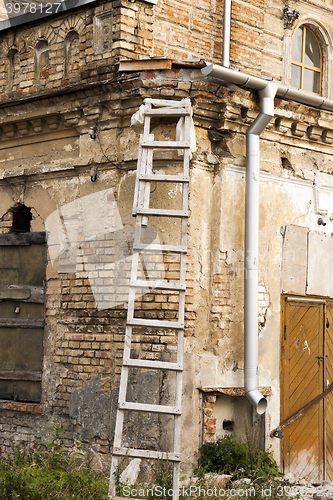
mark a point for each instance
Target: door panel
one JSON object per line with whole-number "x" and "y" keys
{"x": 302, "y": 362}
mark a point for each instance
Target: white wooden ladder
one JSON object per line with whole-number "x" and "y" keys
{"x": 142, "y": 210}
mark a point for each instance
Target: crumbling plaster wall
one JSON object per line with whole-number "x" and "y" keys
{"x": 83, "y": 346}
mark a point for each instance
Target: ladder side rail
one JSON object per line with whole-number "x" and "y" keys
{"x": 146, "y": 167}
{"x": 175, "y": 482}
{"x": 117, "y": 441}
{"x": 142, "y": 154}
{"x": 181, "y": 308}
{"x": 148, "y": 171}
{"x": 131, "y": 293}
{"x": 124, "y": 370}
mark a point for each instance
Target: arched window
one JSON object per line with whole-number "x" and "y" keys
{"x": 306, "y": 64}
{"x": 42, "y": 59}
{"x": 72, "y": 52}
{"x": 13, "y": 66}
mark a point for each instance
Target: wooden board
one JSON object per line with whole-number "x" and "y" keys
{"x": 328, "y": 402}
{"x": 23, "y": 293}
{"x": 22, "y": 323}
{"x": 18, "y": 293}
{"x": 144, "y": 65}
{"x": 32, "y": 375}
{"x": 22, "y": 238}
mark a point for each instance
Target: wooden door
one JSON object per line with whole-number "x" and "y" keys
{"x": 303, "y": 380}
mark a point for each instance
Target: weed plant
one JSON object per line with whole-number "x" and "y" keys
{"x": 53, "y": 474}
{"x": 239, "y": 459}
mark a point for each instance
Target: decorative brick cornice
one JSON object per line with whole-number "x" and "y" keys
{"x": 289, "y": 17}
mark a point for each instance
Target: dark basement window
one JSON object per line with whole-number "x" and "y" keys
{"x": 21, "y": 219}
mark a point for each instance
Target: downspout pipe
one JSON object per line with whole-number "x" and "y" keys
{"x": 251, "y": 258}
{"x": 226, "y": 33}
{"x": 267, "y": 91}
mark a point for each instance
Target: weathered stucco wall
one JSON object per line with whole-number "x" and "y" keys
{"x": 83, "y": 344}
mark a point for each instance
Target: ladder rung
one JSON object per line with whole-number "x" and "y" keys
{"x": 161, "y": 212}
{"x": 160, "y": 285}
{"x": 166, "y": 144}
{"x": 155, "y": 322}
{"x": 160, "y": 248}
{"x": 131, "y": 452}
{"x": 149, "y": 408}
{"x": 168, "y": 111}
{"x": 158, "y": 365}
{"x": 165, "y": 178}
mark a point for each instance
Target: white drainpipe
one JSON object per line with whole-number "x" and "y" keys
{"x": 251, "y": 270}
{"x": 267, "y": 91}
{"x": 226, "y": 33}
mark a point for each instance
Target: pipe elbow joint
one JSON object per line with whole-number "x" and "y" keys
{"x": 257, "y": 400}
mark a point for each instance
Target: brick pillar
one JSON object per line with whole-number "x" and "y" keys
{"x": 209, "y": 420}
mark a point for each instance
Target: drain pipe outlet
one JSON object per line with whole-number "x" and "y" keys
{"x": 226, "y": 33}
{"x": 251, "y": 344}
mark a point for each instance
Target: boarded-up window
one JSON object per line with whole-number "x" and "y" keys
{"x": 22, "y": 311}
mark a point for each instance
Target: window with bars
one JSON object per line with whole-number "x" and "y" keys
{"x": 306, "y": 64}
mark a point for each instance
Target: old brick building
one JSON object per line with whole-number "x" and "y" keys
{"x": 71, "y": 80}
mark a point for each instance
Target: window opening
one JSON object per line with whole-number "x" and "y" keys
{"x": 306, "y": 64}
{"x": 21, "y": 219}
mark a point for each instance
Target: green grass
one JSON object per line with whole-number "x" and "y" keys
{"x": 53, "y": 474}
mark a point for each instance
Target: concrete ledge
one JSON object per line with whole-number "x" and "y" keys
{"x": 233, "y": 391}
